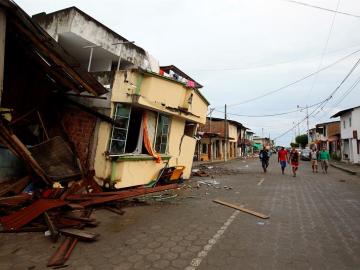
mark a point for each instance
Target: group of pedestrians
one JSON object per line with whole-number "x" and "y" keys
{"x": 293, "y": 158}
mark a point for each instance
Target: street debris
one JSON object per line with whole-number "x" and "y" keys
{"x": 211, "y": 171}
{"x": 242, "y": 209}
{"x": 63, "y": 209}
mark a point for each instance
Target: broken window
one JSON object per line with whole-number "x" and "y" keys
{"x": 127, "y": 136}
{"x": 120, "y": 131}
{"x": 190, "y": 129}
{"x": 162, "y": 134}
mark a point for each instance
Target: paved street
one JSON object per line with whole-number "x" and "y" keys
{"x": 314, "y": 224}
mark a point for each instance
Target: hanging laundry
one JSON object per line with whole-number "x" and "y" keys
{"x": 147, "y": 142}
{"x": 190, "y": 84}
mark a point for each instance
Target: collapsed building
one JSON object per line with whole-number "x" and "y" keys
{"x": 74, "y": 86}
{"x": 80, "y": 115}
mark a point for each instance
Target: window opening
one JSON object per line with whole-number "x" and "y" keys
{"x": 162, "y": 134}
{"x": 119, "y": 132}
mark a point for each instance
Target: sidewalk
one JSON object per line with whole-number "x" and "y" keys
{"x": 219, "y": 161}
{"x": 347, "y": 167}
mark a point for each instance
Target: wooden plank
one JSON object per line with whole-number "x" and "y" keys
{"x": 21, "y": 150}
{"x": 80, "y": 234}
{"x": 251, "y": 212}
{"x": 74, "y": 217}
{"x": 54, "y": 234}
{"x": 16, "y": 187}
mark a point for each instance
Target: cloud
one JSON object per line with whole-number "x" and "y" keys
{"x": 207, "y": 37}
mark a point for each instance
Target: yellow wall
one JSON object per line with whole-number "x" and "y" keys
{"x": 233, "y": 132}
{"x": 157, "y": 93}
{"x": 133, "y": 173}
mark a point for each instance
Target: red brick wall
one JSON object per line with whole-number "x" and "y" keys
{"x": 79, "y": 126}
{"x": 216, "y": 127}
{"x": 333, "y": 129}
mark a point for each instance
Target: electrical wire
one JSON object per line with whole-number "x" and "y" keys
{"x": 323, "y": 102}
{"x": 269, "y": 115}
{"x": 322, "y": 8}
{"x": 324, "y": 50}
{"x": 292, "y": 83}
{"x": 338, "y": 101}
{"x": 259, "y": 66}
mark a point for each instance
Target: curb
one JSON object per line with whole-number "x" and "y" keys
{"x": 219, "y": 161}
{"x": 344, "y": 169}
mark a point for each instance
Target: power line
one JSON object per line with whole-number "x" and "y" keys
{"x": 259, "y": 66}
{"x": 324, "y": 49}
{"x": 339, "y": 100}
{"x": 292, "y": 83}
{"x": 347, "y": 92}
{"x": 269, "y": 115}
{"x": 323, "y": 102}
{"x": 322, "y": 8}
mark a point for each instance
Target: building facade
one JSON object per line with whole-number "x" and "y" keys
{"x": 350, "y": 138}
{"x": 218, "y": 138}
{"x": 151, "y": 114}
{"x": 327, "y": 135}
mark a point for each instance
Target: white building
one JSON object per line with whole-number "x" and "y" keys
{"x": 350, "y": 129}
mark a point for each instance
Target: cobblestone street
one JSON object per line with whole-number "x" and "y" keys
{"x": 314, "y": 224}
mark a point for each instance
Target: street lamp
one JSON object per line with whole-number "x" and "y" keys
{"x": 121, "y": 43}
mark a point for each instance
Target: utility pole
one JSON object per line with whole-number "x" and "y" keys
{"x": 307, "y": 123}
{"x": 210, "y": 138}
{"x": 226, "y": 137}
{"x": 294, "y": 132}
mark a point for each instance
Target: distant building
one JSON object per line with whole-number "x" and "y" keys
{"x": 262, "y": 142}
{"x": 153, "y": 112}
{"x": 350, "y": 138}
{"x": 326, "y": 135}
{"x": 214, "y": 136}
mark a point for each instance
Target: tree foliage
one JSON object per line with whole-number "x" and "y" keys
{"x": 302, "y": 140}
{"x": 294, "y": 144}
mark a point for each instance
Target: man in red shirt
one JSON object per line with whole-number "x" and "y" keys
{"x": 282, "y": 158}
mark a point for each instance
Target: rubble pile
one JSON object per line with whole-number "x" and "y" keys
{"x": 209, "y": 171}
{"x": 61, "y": 209}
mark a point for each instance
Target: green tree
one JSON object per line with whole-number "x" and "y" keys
{"x": 302, "y": 140}
{"x": 294, "y": 144}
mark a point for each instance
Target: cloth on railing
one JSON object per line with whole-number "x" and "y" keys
{"x": 147, "y": 140}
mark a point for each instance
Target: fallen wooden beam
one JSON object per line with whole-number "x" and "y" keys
{"x": 121, "y": 195}
{"x": 242, "y": 209}
{"x": 58, "y": 258}
{"x": 80, "y": 234}
{"x": 54, "y": 234}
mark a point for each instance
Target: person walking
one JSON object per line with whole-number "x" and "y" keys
{"x": 294, "y": 160}
{"x": 314, "y": 156}
{"x": 324, "y": 158}
{"x": 264, "y": 158}
{"x": 282, "y": 159}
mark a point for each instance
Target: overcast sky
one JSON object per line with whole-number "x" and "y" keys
{"x": 240, "y": 49}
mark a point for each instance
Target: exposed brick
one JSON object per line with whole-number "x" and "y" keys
{"x": 79, "y": 126}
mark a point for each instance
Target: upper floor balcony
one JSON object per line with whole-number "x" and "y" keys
{"x": 156, "y": 92}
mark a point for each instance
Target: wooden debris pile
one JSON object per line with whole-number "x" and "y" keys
{"x": 60, "y": 211}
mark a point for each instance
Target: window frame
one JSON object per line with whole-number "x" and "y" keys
{"x": 159, "y": 115}
{"x": 113, "y": 128}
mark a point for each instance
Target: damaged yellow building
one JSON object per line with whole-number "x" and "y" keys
{"x": 149, "y": 117}
{"x": 151, "y": 109}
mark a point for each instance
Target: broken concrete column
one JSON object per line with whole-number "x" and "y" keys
{"x": 2, "y": 49}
